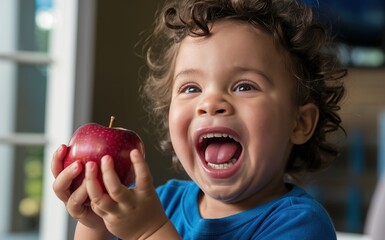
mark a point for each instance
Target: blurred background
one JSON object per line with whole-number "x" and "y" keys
{"x": 66, "y": 63}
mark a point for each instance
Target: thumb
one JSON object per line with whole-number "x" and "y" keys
{"x": 143, "y": 177}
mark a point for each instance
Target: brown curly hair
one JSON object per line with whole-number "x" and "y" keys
{"x": 293, "y": 26}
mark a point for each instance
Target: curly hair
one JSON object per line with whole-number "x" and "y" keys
{"x": 293, "y": 26}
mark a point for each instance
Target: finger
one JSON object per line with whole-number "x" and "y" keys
{"x": 93, "y": 187}
{"x": 143, "y": 177}
{"x": 78, "y": 198}
{"x": 57, "y": 160}
{"x": 114, "y": 187}
{"x": 76, "y": 202}
{"x": 63, "y": 181}
{"x": 95, "y": 191}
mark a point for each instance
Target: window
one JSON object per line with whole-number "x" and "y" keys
{"x": 44, "y": 69}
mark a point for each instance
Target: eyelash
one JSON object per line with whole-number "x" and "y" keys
{"x": 246, "y": 83}
{"x": 185, "y": 88}
{"x": 193, "y": 88}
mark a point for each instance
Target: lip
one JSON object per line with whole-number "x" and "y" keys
{"x": 218, "y": 173}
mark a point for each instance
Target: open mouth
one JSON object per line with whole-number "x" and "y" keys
{"x": 220, "y": 151}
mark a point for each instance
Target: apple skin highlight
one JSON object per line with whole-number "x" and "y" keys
{"x": 92, "y": 141}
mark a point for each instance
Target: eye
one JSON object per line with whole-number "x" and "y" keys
{"x": 245, "y": 86}
{"x": 189, "y": 88}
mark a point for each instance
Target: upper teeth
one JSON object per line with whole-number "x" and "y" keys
{"x": 217, "y": 135}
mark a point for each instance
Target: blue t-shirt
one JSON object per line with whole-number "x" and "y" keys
{"x": 296, "y": 215}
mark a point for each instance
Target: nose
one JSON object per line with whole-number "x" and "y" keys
{"x": 214, "y": 104}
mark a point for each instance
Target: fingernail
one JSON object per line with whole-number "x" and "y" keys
{"x": 135, "y": 152}
{"x": 88, "y": 166}
{"x": 61, "y": 148}
{"x": 105, "y": 160}
{"x": 74, "y": 166}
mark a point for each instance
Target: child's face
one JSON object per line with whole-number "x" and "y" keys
{"x": 233, "y": 83}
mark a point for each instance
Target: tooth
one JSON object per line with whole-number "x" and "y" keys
{"x": 218, "y": 135}
{"x": 222, "y": 165}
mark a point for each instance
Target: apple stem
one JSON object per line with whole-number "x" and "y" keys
{"x": 112, "y": 120}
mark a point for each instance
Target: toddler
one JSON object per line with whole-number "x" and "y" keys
{"x": 245, "y": 93}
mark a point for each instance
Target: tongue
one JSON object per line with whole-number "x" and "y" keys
{"x": 220, "y": 152}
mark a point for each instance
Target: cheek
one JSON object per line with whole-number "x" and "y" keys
{"x": 180, "y": 118}
{"x": 269, "y": 134}
{"x": 179, "y": 121}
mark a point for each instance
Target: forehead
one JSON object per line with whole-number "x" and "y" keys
{"x": 232, "y": 43}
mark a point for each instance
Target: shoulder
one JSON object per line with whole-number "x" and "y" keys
{"x": 297, "y": 200}
{"x": 298, "y": 214}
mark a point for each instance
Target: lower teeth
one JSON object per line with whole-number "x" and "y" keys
{"x": 222, "y": 165}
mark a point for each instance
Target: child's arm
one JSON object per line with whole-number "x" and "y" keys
{"x": 129, "y": 213}
{"x": 83, "y": 232}
{"x": 167, "y": 231}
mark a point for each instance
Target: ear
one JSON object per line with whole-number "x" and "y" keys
{"x": 305, "y": 124}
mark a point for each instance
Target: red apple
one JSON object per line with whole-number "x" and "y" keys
{"x": 92, "y": 141}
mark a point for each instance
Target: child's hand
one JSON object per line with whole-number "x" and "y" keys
{"x": 73, "y": 201}
{"x": 129, "y": 213}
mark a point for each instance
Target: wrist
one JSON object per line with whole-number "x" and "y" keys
{"x": 166, "y": 231}
{"x": 85, "y": 232}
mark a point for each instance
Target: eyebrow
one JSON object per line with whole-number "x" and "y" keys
{"x": 253, "y": 70}
{"x": 186, "y": 72}
{"x": 237, "y": 69}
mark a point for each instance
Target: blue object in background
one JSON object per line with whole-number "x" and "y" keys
{"x": 381, "y": 145}
{"x": 354, "y": 215}
{"x": 356, "y": 153}
{"x": 44, "y": 4}
{"x": 355, "y": 22}
{"x": 356, "y": 169}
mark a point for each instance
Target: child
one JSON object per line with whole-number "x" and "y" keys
{"x": 246, "y": 93}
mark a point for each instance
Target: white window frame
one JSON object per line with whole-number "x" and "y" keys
{"x": 69, "y": 80}
{"x": 71, "y": 76}
{"x": 8, "y": 13}
{"x": 59, "y": 112}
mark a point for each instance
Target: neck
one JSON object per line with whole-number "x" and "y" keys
{"x": 213, "y": 208}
